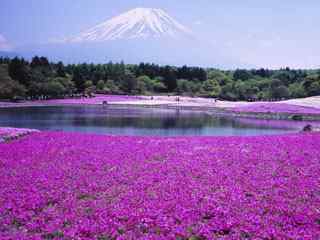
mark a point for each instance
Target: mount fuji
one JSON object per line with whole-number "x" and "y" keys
{"x": 134, "y": 24}
{"x": 139, "y": 35}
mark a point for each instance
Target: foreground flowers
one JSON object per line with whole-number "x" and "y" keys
{"x": 72, "y": 186}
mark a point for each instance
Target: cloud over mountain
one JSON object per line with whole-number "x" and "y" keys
{"x": 4, "y": 44}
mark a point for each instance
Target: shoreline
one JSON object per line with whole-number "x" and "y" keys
{"x": 276, "y": 116}
{"x": 206, "y": 109}
{"x": 233, "y": 109}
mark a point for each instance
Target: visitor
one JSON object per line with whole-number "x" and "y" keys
{"x": 307, "y": 128}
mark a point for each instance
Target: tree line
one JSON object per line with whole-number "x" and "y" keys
{"x": 39, "y": 78}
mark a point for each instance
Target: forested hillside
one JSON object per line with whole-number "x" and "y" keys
{"x": 42, "y": 79}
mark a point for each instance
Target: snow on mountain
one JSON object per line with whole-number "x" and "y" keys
{"x": 134, "y": 24}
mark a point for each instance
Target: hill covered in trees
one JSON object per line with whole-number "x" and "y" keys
{"x": 40, "y": 78}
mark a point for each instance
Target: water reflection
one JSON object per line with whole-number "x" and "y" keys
{"x": 138, "y": 121}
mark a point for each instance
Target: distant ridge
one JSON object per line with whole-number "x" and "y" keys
{"x": 9, "y": 54}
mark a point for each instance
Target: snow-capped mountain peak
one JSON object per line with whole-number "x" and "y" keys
{"x": 136, "y": 23}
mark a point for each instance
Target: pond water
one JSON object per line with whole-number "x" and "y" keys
{"x": 139, "y": 121}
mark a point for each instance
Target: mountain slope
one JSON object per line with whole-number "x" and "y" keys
{"x": 134, "y": 24}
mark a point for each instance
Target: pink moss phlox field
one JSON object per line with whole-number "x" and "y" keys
{"x": 7, "y": 133}
{"x": 269, "y": 107}
{"x": 98, "y": 99}
{"x": 73, "y": 186}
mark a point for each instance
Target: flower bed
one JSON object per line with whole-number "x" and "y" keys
{"x": 73, "y": 186}
{"x": 268, "y": 107}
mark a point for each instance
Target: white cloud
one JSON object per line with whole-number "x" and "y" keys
{"x": 198, "y": 22}
{"x": 4, "y": 44}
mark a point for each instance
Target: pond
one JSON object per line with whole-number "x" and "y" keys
{"x": 139, "y": 121}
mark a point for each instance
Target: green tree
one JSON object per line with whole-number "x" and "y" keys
{"x": 19, "y": 71}
{"x": 60, "y": 70}
{"x": 314, "y": 88}
{"x": 227, "y": 92}
{"x": 9, "y": 88}
{"x": 280, "y": 92}
{"x": 100, "y": 85}
{"x": 246, "y": 90}
{"x": 67, "y": 83}
{"x": 219, "y": 76}
{"x": 158, "y": 85}
{"x": 241, "y": 74}
{"x": 212, "y": 88}
{"x": 147, "y": 82}
{"x": 129, "y": 82}
{"x": 297, "y": 90}
{"x": 183, "y": 86}
{"x": 141, "y": 86}
{"x": 53, "y": 89}
{"x": 89, "y": 87}
{"x": 312, "y": 84}
{"x": 170, "y": 78}
{"x": 111, "y": 87}
{"x": 79, "y": 80}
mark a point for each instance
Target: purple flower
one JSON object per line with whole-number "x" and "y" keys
{"x": 57, "y": 185}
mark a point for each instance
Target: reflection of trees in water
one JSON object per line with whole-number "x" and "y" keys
{"x": 113, "y": 117}
{"x": 168, "y": 122}
{"x": 98, "y": 116}
{"x": 146, "y": 122}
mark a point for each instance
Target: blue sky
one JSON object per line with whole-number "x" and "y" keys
{"x": 261, "y": 33}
